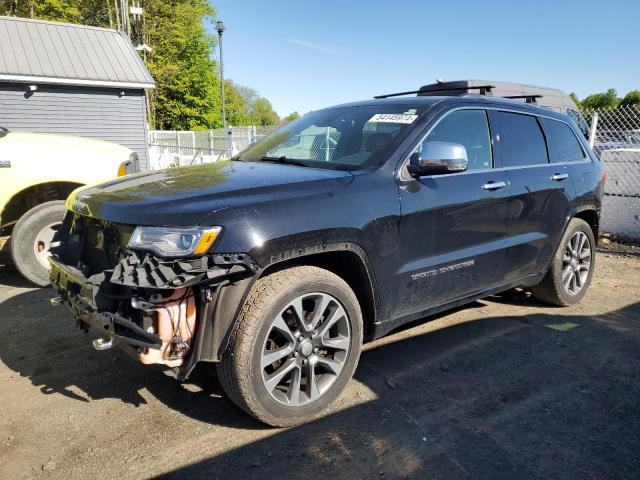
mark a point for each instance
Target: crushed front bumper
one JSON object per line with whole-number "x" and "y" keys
{"x": 117, "y": 303}
{"x": 83, "y": 295}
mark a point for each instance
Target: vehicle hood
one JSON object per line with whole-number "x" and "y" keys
{"x": 187, "y": 195}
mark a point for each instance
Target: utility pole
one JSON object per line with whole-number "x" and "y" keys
{"x": 124, "y": 13}
{"x": 220, "y": 29}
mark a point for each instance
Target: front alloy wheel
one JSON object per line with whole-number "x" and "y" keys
{"x": 294, "y": 346}
{"x": 305, "y": 349}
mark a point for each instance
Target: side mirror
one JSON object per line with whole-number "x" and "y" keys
{"x": 438, "y": 158}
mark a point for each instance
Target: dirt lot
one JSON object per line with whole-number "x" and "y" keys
{"x": 503, "y": 388}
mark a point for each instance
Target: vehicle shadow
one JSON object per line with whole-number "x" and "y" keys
{"x": 8, "y": 273}
{"x": 538, "y": 396}
{"x": 42, "y": 342}
{"x": 542, "y": 395}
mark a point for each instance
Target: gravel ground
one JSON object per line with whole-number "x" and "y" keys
{"x": 503, "y": 388}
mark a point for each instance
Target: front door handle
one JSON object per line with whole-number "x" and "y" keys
{"x": 558, "y": 177}
{"x": 494, "y": 185}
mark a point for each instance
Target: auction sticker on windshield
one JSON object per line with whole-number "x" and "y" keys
{"x": 393, "y": 118}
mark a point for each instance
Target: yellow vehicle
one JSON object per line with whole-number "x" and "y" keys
{"x": 38, "y": 171}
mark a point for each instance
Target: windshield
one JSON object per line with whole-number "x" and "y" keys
{"x": 347, "y": 138}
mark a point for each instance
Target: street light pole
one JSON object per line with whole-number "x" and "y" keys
{"x": 221, "y": 28}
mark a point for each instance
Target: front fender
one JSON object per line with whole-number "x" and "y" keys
{"x": 231, "y": 298}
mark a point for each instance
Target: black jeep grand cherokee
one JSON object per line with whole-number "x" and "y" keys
{"x": 337, "y": 228}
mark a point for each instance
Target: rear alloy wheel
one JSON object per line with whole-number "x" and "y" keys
{"x": 294, "y": 347}
{"x": 31, "y": 240}
{"x": 576, "y": 263}
{"x": 571, "y": 269}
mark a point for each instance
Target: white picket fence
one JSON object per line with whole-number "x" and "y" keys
{"x": 175, "y": 148}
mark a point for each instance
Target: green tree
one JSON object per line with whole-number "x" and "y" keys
{"x": 59, "y": 10}
{"x": 631, "y": 99}
{"x": 249, "y": 97}
{"x": 187, "y": 92}
{"x": 237, "y": 110}
{"x": 291, "y": 117}
{"x": 264, "y": 113}
{"x": 575, "y": 99}
{"x": 99, "y": 13}
{"x": 608, "y": 99}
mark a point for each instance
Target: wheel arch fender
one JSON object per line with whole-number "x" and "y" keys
{"x": 588, "y": 213}
{"x": 348, "y": 260}
{"x": 31, "y": 196}
{"x": 591, "y": 215}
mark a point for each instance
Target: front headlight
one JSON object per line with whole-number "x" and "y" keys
{"x": 174, "y": 241}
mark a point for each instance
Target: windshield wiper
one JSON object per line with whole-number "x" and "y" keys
{"x": 283, "y": 159}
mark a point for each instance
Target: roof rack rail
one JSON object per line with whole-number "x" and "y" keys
{"x": 484, "y": 89}
{"x": 527, "y": 98}
{"x": 396, "y": 94}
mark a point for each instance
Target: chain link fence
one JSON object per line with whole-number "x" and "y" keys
{"x": 177, "y": 148}
{"x": 615, "y": 137}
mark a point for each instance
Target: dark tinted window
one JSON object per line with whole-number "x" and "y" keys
{"x": 563, "y": 144}
{"x": 469, "y": 128}
{"x": 521, "y": 140}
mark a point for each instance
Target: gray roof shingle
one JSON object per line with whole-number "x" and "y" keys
{"x": 60, "y": 53}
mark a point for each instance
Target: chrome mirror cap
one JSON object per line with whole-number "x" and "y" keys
{"x": 438, "y": 158}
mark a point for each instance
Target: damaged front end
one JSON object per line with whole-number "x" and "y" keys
{"x": 159, "y": 310}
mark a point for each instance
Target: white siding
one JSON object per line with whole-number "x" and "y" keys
{"x": 88, "y": 112}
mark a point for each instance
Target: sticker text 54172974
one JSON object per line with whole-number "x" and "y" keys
{"x": 393, "y": 118}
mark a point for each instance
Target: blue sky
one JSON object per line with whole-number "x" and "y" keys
{"x": 303, "y": 55}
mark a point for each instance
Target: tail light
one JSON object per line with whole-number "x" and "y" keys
{"x": 605, "y": 177}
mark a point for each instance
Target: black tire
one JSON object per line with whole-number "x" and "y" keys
{"x": 551, "y": 288}
{"x": 240, "y": 371}
{"x": 24, "y": 236}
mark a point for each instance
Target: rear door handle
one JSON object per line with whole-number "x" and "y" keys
{"x": 494, "y": 185}
{"x": 558, "y": 177}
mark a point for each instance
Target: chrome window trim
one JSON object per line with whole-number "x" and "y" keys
{"x": 402, "y": 171}
{"x": 502, "y": 169}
